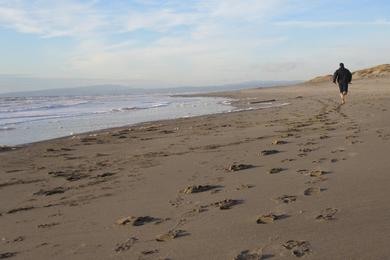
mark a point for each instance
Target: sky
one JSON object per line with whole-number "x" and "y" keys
{"x": 186, "y": 42}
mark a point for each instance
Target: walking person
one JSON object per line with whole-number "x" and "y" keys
{"x": 343, "y": 77}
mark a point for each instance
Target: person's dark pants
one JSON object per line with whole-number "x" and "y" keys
{"x": 343, "y": 87}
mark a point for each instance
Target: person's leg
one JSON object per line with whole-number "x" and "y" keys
{"x": 344, "y": 97}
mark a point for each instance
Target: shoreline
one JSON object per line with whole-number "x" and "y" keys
{"x": 281, "y": 182}
{"x": 236, "y": 104}
{"x": 101, "y": 121}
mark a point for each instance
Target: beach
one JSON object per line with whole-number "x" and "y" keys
{"x": 305, "y": 179}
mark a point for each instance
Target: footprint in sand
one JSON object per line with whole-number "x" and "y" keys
{"x": 137, "y": 221}
{"x": 238, "y": 167}
{"x": 269, "y": 152}
{"x": 338, "y": 150}
{"x": 245, "y": 186}
{"x": 327, "y": 214}
{"x": 48, "y": 225}
{"x": 18, "y": 239}
{"x": 276, "y": 170}
{"x": 312, "y": 191}
{"x": 249, "y": 255}
{"x": 279, "y": 142}
{"x": 149, "y": 252}
{"x": 287, "y": 199}
{"x": 303, "y": 171}
{"x": 198, "y": 188}
{"x": 121, "y": 247}
{"x": 7, "y": 255}
{"x": 288, "y": 160}
{"x": 305, "y": 150}
{"x": 58, "y": 190}
{"x": 270, "y": 218}
{"x": 101, "y": 154}
{"x": 298, "y": 248}
{"x": 318, "y": 173}
{"x": 309, "y": 143}
{"x": 196, "y": 211}
{"x": 12, "y": 211}
{"x": 320, "y": 160}
{"x": 227, "y": 203}
{"x": 170, "y": 235}
{"x": 316, "y": 180}
{"x": 351, "y": 137}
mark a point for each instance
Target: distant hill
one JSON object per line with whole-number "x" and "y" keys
{"x": 100, "y": 90}
{"x": 374, "y": 72}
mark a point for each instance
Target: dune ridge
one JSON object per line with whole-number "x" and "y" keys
{"x": 382, "y": 70}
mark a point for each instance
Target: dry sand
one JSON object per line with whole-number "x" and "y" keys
{"x": 309, "y": 180}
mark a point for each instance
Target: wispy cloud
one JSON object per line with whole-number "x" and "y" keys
{"x": 186, "y": 42}
{"x": 52, "y": 18}
{"x": 316, "y": 24}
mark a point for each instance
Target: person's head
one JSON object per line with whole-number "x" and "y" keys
{"x": 341, "y": 65}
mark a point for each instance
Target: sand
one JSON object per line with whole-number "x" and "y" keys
{"x": 309, "y": 179}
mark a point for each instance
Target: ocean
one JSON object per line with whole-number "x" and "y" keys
{"x": 31, "y": 119}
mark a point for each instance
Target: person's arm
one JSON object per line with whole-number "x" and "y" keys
{"x": 335, "y": 76}
{"x": 350, "y": 77}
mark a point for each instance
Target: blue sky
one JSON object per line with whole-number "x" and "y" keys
{"x": 177, "y": 42}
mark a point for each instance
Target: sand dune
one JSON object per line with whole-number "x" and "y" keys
{"x": 369, "y": 73}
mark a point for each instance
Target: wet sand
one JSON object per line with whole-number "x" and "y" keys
{"x": 309, "y": 179}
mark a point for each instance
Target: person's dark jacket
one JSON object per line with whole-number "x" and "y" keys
{"x": 342, "y": 76}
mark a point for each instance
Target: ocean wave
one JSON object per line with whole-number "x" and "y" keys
{"x": 141, "y": 107}
{"x": 7, "y": 128}
{"x": 16, "y": 120}
{"x": 40, "y": 107}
